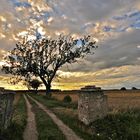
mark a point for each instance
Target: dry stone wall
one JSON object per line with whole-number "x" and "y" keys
{"x": 6, "y": 109}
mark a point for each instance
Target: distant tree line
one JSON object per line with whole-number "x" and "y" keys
{"x": 133, "y": 88}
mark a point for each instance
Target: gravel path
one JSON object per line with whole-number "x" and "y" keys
{"x": 69, "y": 134}
{"x": 30, "y": 132}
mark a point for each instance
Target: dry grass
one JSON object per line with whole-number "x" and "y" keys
{"x": 117, "y": 99}
{"x": 122, "y": 93}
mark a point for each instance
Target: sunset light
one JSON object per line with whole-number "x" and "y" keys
{"x": 115, "y": 28}
{"x": 69, "y": 69}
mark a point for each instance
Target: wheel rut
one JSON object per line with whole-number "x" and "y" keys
{"x": 30, "y": 132}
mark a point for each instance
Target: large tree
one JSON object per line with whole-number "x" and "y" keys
{"x": 44, "y": 57}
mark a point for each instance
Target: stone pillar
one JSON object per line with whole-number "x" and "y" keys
{"x": 92, "y": 104}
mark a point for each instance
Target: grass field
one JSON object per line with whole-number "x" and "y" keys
{"x": 122, "y": 122}
{"x": 117, "y": 99}
{"x": 121, "y": 125}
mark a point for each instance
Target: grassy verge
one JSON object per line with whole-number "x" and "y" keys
{"x": 73, "y": 123}
{"x": 16, "y": 129}
{"x": 47, "y": 129}
{"x": 51, "y": 102}
{"x": 121, "y": 126}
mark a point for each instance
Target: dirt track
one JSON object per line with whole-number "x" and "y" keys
{"x": 30, "y": 132}
{"x": 69, "y": 134}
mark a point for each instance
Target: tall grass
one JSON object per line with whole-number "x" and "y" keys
{"x": 124, "y": 125}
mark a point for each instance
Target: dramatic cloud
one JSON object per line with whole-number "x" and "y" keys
{"x": 115, "y": 24}
{"x": 114, "y": 77}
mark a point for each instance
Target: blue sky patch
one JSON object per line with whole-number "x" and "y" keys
{"x": 21, "y": 4}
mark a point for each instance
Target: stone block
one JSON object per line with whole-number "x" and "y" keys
{"x": 92, "y": 105}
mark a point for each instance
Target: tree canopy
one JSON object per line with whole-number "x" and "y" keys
{"x": 44, "y": 57}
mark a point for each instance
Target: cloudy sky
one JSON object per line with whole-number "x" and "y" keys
{"x": 114, "y": 23}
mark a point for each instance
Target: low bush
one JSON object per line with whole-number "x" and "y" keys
{"x": 134, "y": 88}
{"x": 123, "y": 88}
{"x": 67, "y": 99}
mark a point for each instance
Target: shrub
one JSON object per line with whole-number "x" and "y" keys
{"x": 35, "y": 83}
{"x": 67, "y": 99}
{"x": 123, "y": 88}
{"x": 134, "y": 88}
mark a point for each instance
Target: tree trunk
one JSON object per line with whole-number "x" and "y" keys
{"x": 48, "y": 89}
{"x": 47, "y": 85}
{"x": 36, "y": 90}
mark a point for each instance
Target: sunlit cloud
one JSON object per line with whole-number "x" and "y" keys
{"x": 107, "y": 78}
{"x": 50, "y": 19}
{"x": 114, "y": 25}
{"x": 3, "y": 19}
